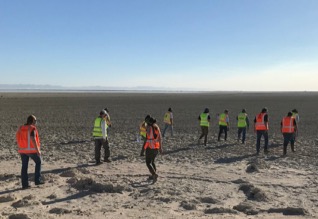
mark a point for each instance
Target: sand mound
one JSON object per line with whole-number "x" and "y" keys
{"x": 7, "y": 198}
{"x": 59, "y": 211}
{"x": 188, "y": 205}
{"x": 19, "y": 216}
{"x": 289, "y": 211}
{"x": 245, "y": 208}
{"x": 253, "y": 193}
{"x": 91, "y": 185}
{"x": 219, "y": 211}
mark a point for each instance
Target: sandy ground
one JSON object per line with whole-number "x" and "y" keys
{"x": 221, "y": 180}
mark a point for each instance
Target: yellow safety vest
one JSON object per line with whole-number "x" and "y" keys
{"x": 222, "y": 119}
{"x": 241, "y": 120}
{"x": 167, "y": 118}
{"x": 204, "y": 120}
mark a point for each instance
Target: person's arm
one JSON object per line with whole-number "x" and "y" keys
{"x": 281, "y": 126}
{"x": 32, "y": 135}
{"x": 266, "y": 121}
{"x": 255, "y": 124}
{"x": 104, "y": 131}
{"x": 159, "y": 139}
{"x": 247, "y": 123}
{"x": 171, "y": 118}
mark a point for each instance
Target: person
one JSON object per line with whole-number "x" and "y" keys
{"x": 204, "y": 119}
{"x": 289, "y": 129}
{"x": 295, "y": 115}
{"x": 168, "y": 120}
{"x": 100, "y": 137}
{"x": 29, "y": 145}
{"x": 224, "y": 124}
{"x": 143, "y": 132}
{"x": 261, "y": 129}
{"x": 152, "y": 145}
{"x": 242, "y": 125}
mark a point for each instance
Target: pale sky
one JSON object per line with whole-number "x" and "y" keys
{"x": 209, "y": 45}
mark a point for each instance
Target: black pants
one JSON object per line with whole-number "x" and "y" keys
{"x": 204, "y": 133}
{"x": 261, "y": 133}
{"x": 222, "y": 129}
{"x": 98, "y": 145}
{"x": 150, "y": 160}
{"x": 24, "y": 170}
{"x": 241, "y": 131}
{"x": 289, "y": 137}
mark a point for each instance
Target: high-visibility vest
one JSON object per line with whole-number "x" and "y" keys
{"x": 23, "y": 137}
{"x": 152, "y": 141}
{"x": 222, "y": 119}
{"x": 204, "y": 119}
{"x": 143, "y": 129}
{"x": 260, "y": 122}
{"x": 167, "y": 118}
{"x": 288, "y": 125}
{"x": 97, "y": 130}
{"x": 241, "y": 120}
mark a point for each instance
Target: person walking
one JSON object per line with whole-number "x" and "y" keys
{"x": 224, "y": 124}
{"x": 261, "y": 129}
{"x": 100, "y": 137}
{"x": 29, "y": 145}
{"x": 289, "y": 129}
{"x": 242, "y": 125}
{"x": 204, "y": 119}
{"x": 168, "y": 120}
{"x": 152, "y": 145}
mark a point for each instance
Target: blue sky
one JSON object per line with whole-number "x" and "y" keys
{"x": 248, "y": 45}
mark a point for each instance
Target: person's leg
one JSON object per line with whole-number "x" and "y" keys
{"x": 155, "y": 153}
{"x": 285, "y": 143}
{"x": 37, "y": 173}
{"x": 106, "y": 150}
{"x": 171, "y": 127}
{"x": 225, "y": 132}
{"x": 98, "y": 145}
{"x": 165, "y": 129}
{"x": 244, "y": 135}
{"x": 149, "y": 159}
{"x": 239, "y": 131}
{"x": 24, "y": 170}
{"x": 292, "y": 142}
{"x": 265, "y": 133}
{"x": 258, "y": 141}
{"x": 220, "y": 132}
{"x": 202, "y": 132}
{"x": 206, "y": 131}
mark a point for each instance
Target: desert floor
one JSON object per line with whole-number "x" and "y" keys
{"x": 221, "y": 180}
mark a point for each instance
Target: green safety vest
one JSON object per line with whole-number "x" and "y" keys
{"x": 222, "y": 119}
{"x": 204, "y": 120}
{"x": 167, "y": 118}
{"x": 97, "y": 130}
{"x": 241, "y": 120}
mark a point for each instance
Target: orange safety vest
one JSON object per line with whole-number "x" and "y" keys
{"x": 288, "y": 125}
{"x": 260, "y": 123}
{"x": 23, "y": 137}
{"x": 151, "y": 141}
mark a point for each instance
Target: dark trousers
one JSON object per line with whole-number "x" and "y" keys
{"x": 98, "y": 146}
{"x": 241, "y": 131}
{"x": 289, "y": 137}
{"x": 150, "y": 160}
{"x": 222, "y": 129}
{"x": 24, "y": 170}
{"x": 165, "y": 129}
{"x": 259, "y": 134}
{"x": 204, "y": 133}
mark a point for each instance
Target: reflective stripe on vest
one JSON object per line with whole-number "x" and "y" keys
{"x": 23, "y": 137}
{"x": 204, "y": 119}
{"x": 151, "y": 141}
{"x": 97, "y": 130}
{"x": 167, "y": 118}
{"x": 241, "y": 120}
{"x": 288, "y": 125}
{"x": 260, "y": 123}
{"x": 222, "y": 119}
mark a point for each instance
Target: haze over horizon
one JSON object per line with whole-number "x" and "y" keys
{"x": 180, "y": 45}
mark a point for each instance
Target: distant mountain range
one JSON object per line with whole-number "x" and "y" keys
{"x": 10, "y": 87}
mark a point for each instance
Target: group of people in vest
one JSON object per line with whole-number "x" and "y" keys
{"x": 288, "y": 127}
{"x": 29, "y": 142}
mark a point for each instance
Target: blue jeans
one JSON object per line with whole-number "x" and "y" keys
{"x": 241, "y": 131}
{"x": 165, "y": 129}
{"x": 24, "y": 171}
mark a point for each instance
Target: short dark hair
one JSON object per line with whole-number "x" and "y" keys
{"x": 30, "y": 119}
